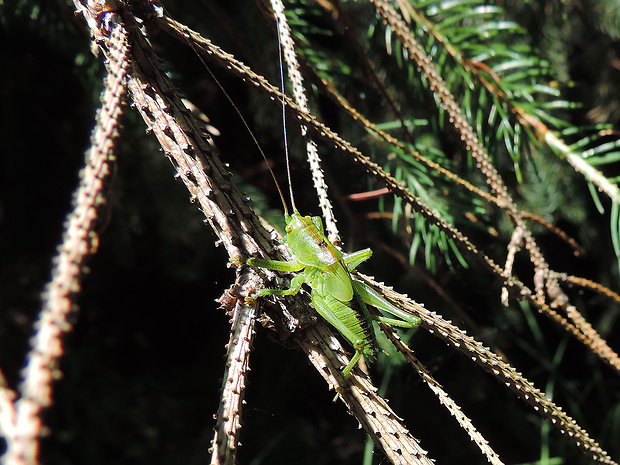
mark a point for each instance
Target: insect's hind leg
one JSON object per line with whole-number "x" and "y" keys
{"x": 346, "y": 372}
{"x": 352, "y": 260}
{"x": 373, "y": 298}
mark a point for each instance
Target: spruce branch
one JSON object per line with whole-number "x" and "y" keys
{"x": 544, "y": 284}
{"x": 243, "y": 234}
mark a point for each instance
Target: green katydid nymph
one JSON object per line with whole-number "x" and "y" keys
{"x": 336, "y": 296}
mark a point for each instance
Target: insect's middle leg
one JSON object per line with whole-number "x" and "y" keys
{"x": 296, "y": 283}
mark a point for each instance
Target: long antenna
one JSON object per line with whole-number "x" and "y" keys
{"x": 288, "y": 163}
{"x": 248, "y": 127}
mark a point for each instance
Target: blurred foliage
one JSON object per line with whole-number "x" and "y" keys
{"x": 143, "y": 365}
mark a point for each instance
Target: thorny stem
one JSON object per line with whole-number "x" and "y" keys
{"x": 495, "y": 365}
{"x": 228, "y": 424}
{"x": 302, "y": 101}
{"x": 79, "y": 241}
{"x": 362, "y": 400}
{"x": 442, "y": 395}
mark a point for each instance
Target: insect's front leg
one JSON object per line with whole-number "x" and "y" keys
{"x": 276, "y": 265}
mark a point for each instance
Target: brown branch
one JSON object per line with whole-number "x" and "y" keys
{"x": 443, "y": 397}
{"x": 79, "y": 241}
{"x": 361, "y": 398}
{"x": 587, "y": 284}
{"x": 228, "y": 424}
{"x": 299, "y": 94}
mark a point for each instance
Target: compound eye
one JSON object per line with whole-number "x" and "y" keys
{"x": 289, "y": 227}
